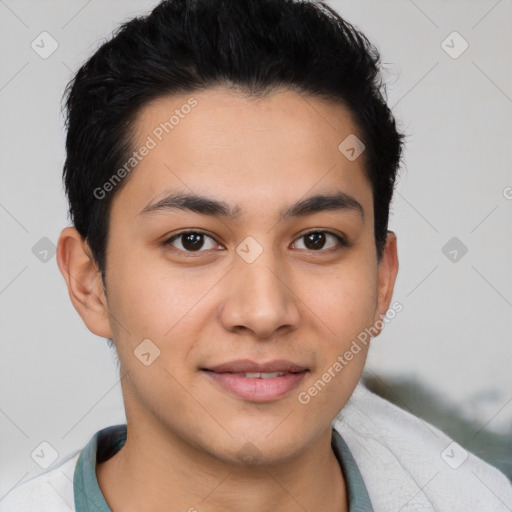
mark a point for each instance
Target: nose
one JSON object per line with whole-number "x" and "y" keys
{"x": 260, "y": 297}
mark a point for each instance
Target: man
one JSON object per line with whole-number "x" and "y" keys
{"x": 230, "y": 166}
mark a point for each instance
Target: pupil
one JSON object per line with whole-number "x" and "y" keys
{"x": 317, "y": 239}
{"x": 193, "y": 241}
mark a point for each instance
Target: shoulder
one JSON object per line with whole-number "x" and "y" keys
{"x": 410, "y": 465}
{"x": 51, "y": 491}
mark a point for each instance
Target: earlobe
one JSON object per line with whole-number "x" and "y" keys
{"x": 388, "y": 270}
{"x": 83, "y": 280}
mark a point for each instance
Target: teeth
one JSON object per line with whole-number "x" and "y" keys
{"x": 262, "y": 375}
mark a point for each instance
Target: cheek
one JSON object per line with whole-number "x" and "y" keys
{"x": 355, "y": 298}
{"x": 150, "y": 300}
{"x": 343, "y": 311}
{"x": 343, "y": 300}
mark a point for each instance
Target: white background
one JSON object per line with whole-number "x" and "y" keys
{"x": 59, "y": 382}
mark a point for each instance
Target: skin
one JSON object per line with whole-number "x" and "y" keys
{"x": 207, "y": 307}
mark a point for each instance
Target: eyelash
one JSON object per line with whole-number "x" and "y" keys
{"x": 342, "y": 242}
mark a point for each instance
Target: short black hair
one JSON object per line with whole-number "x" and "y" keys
{"x": 255, "y": 46}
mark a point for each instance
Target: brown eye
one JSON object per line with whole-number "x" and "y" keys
{"x": 191, "y": 241}
{"x": 317, "y": 240}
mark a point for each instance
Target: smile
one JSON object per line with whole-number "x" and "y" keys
{"x": 254, "y": 381}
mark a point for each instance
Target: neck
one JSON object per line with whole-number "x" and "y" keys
{"x": 161, "y": 469}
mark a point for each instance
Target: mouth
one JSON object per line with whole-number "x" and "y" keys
{"x": 256, "y": 382}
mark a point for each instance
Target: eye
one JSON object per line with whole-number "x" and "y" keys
{"x": 316, "y": 240}
{"x": 191, "y": 241}
{"x": 195, "y": 241}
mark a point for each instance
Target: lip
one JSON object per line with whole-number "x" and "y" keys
{"x": 227, "y": 377}
{"x": 246, "y": 365}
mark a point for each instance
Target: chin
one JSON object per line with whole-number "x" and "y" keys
{"x": 263, "y": 450}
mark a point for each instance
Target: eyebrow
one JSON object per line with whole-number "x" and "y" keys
{"x": 337, "y": 201}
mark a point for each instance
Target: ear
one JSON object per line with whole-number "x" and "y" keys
{"x": 83, "y": 280}
{"x": 388, "y": 270}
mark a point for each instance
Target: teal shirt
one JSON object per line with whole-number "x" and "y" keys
{"x": 108, "y": 441}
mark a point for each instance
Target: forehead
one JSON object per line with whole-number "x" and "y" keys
{"x": 243, "y": 149}
{"x": 218, "y": 111}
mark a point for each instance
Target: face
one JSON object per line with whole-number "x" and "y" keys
{"x": 248, "y": 294}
